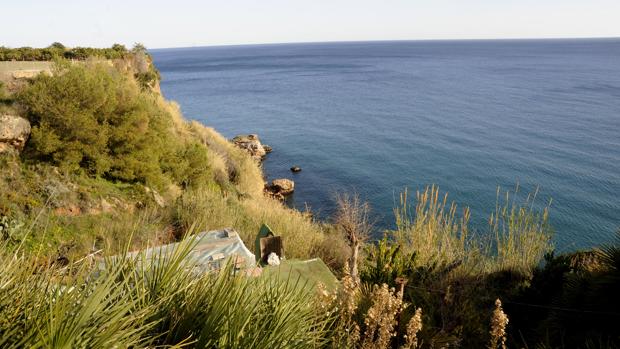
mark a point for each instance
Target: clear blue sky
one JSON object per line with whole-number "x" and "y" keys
{"x": 176, "y": 23}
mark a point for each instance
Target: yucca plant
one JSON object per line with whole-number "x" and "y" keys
{"x": 224, "y": 310}
{"x": 157, "y": 299}
{"x": 66, "y": 308}
{"x": 385, "y": 262}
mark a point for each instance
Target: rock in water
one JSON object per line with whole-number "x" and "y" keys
{"x": 14, "y": 132}
{"x": 295, "y": 169}
{"x": 282, "y": 186}
{"x": 251, "y": 143}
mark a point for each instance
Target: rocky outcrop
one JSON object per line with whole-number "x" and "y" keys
{"x": 279, "y": 188}
{"x": 295, "y": 169}
{"x": 14, "y": 132}
{"x": 157, "y": 198}
{"x": 251, "y": 143}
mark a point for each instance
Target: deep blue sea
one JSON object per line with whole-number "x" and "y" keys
{"x": 469, "y": 116}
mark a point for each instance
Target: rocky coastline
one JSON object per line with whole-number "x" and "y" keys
{"x": 279, "y": 188}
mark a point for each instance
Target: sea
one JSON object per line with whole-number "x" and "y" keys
{"x": 379, "y": 118}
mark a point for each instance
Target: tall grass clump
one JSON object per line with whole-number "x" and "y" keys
{"x": 518, "y": 235}
{"x": 432, "y": 228}
{"x": 522, "y": 233}
{"x": 65, "y": 307}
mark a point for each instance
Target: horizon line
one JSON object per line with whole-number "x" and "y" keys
{"x": 386, "y": 40}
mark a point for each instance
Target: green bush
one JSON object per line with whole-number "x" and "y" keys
{"x": 94, "y": 119}
{"x": 190, "y": 165}
{"x": 58, "y": 50}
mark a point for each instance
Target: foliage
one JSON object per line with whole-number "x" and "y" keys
{"x": 302, "y": 238}
{"x": 578, "y": 293}
{"x": 8, "y": 227}
{"x": 215, "y": 185}
{"x": 437, "y": 235}
{"x": 385, "y": 262}
{"x": 100, "y": 134}
{"x": 148, "y": 79}
{"x": 452, "y": 274}
{"x": 3, "y": 94}
{"x": 140, "y": 301}
{"x": 190, "y": 165}
{"x": 92, "y": 118}
{"x": 58, "y": 50}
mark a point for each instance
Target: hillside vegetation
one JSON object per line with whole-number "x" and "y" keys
{"x": 111, "y": 166}
{"x": 58, "y": 50}
{"x": 109, "y": 161}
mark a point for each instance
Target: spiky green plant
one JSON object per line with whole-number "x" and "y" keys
{"x": 156, "y": 299}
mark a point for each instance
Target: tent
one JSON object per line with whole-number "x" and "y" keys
{"x": 209, "y": 251}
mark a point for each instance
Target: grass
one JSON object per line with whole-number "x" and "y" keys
{"x": 302, "y": 237}
{"x": 455, "y": 274}
{"x": 517, "y": 238}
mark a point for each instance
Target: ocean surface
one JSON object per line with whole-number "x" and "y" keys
{"x": 379, "y": 117}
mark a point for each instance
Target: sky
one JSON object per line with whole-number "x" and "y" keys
{"x": 182, "y": 23}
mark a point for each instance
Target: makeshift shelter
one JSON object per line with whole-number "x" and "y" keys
{"x": 308, "y": 273}
{"x": 209, "y": 251}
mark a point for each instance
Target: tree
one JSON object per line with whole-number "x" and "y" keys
{"x": 353, "y": 219}
{"x": 57, "y": 46}
{"x": 119, "y": 48}
{"x": 94, "y": 119}
{"x": 138, "y": 48}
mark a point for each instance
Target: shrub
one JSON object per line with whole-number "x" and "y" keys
{"x": 453, "y": 275}
{"x": 92, "y": 118}
{"x": 58, "y": 50}
{"x": 192, "y": 165}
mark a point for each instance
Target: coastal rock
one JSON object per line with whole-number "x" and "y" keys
{"x": 251, "y": 143}
{"x": 267, "y": 148}
{"x": 281, "y": 187}
{"x": 295, "y": 169}
{"x": 14, "y": 132}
